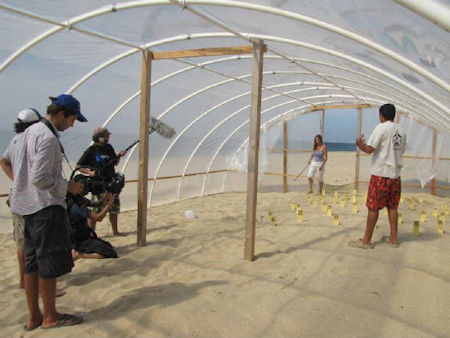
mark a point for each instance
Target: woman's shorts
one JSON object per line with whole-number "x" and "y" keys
{"x": 48, "y": 249}
{"x": 383, "y": 192}
{"x": 314, "y": 170}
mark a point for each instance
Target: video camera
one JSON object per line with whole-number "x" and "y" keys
{"x": 98, "y": 185}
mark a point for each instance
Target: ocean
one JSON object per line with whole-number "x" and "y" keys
{"x": 337, "y": 146}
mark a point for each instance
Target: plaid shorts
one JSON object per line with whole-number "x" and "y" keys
{"x": 113, "y": 209}
{"x": 383, "y": 192}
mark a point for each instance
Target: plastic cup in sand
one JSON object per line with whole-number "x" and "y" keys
{"x": 273, "y": 220}
{"x": 300, "y": 218}
{"x": 293, "y": 204}
{"x": 416, "y": 228}
{"x": 423, "y": 216}
{"x": 440, "y": 228}
{"x": 329, "y": 211}
{"x": 190, "y": 214}
{"x": 355, "y": 208}
{"x": 435, "y": 212}
{"x": 400, "y": 219}
{"x": 335, "y": 220}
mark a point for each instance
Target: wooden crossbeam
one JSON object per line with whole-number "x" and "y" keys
{"x": 175, "y": 54}
{"x": 340, "y": 106}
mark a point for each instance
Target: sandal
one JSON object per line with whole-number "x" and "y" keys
{"x": 34, "y": 327}
{"x": 359, "y": 244}
{"x": 66, "y": 320}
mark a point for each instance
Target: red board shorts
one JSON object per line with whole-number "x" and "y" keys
{"x": 383, "y": 192}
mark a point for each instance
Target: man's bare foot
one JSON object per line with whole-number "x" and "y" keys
{"x": 75, "y": 255}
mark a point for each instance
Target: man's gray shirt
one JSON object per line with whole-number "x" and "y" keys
{"x": 37, "y": 167}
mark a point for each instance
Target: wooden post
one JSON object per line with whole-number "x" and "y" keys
{"x": 285, "y": 145}
{"x": 358, "y": 151}
{"x": 433, "y": 163}
{"x": 253, "y": 151}
{"x": 322, "y": 121}
{"x": 143, "y": 148}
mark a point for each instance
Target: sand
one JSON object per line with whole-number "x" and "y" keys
{"x": 191, "y": 280}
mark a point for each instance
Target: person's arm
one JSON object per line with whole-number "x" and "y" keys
{"x": 86, "y": 171}
{"x": 7, "y": 168}
{"x": 361, "y": 144}
{"x": 98, "y": 216}
{"x": 325, "y": 156}
{"x": 121, "y": 153}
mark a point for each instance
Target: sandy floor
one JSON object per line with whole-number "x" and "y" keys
{"x": 191, "y": 279}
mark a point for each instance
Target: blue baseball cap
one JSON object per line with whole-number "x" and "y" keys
{"x": 71, "y": 103}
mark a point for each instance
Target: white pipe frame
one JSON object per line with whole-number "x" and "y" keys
{"x": 348, "y": 58}
{"x": 328, "y": 87}
{"x": 264, "y": 128}
{"x": 184, "y": 4}
{"x": 69, "y": 24}
{"x": 266, "y": 73}
{"x": 180, "y": 134}
{"x": 431, "y": 10}
{"x": 298, "y": 17}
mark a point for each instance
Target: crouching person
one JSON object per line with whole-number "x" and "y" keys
{"x": 86, "y": 244}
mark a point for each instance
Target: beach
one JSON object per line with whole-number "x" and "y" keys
{"x": 191, "y": 280}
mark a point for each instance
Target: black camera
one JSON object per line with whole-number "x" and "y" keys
{"x": 98, "y": 185}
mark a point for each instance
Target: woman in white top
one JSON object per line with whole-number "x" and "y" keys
{"x": 317, "y": 162}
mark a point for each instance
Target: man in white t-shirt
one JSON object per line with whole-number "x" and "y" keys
{"x": 387, "y": 144}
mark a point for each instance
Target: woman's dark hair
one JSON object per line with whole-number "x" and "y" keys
{"x": 53, "y": 109}
{"x": 315, "y": 143}
{"x": 19, "y": 127}
{"x": 388, "y": 111}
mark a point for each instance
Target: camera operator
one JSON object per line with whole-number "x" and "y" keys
{"x": 86, "y": 243}
{"x": 102, "y": 158}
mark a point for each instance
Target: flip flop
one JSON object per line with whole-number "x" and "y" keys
{"x": 387, "y": 240}
{"x": 66, "y": 320}
{"x": 359, "y": 244}
{"x": 34, "y": 327}
{"x": 60, "y": 293}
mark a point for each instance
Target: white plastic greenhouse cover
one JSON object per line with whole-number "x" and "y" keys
{"x": 318, "y": 52}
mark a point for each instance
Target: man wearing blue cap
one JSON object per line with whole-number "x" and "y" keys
{"x": 38, "y": 193}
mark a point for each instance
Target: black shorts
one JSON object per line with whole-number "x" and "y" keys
{"x": 47, "y": 243}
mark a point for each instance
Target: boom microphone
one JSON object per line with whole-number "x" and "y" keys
{"x": 161, "y": 128}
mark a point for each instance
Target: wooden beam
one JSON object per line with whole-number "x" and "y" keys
{"x": 433, "y": 163}
{"x": 340, "y": 106}
{"x": 188, "y": 53}
{"x": 358, "y": 151}
{"x": 253, "y": 150}
{"x": 186, "y": 175}
{"x": 322, "y": 122}
{"x": 280, "y": 150}
{"x": 285, "y": 145}
{"x": 143, "y": 148}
